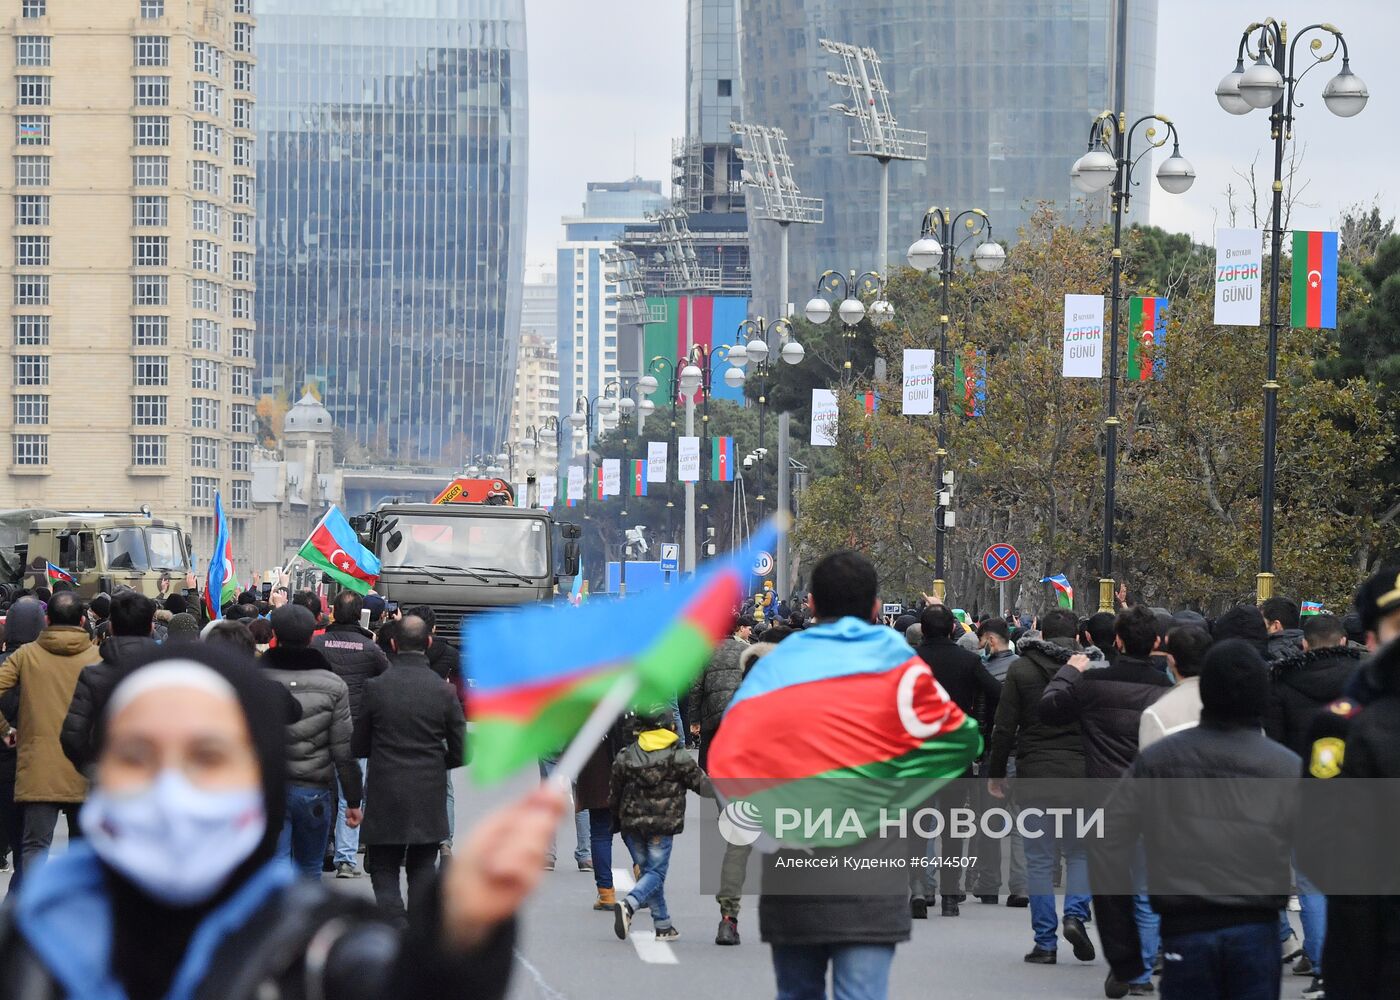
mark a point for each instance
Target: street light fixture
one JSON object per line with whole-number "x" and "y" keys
{"x": 850, "y": 287}
{"x": 1271, "y": 83}
{"x": 1111, "y": 143}
{"x": 767, "y": 342}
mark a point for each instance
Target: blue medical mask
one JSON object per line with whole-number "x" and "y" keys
{"x": 174, "y": 841}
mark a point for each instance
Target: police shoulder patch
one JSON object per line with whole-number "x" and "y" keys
{"x": 1327, "y": 755}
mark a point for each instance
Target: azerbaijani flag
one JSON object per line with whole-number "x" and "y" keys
{"x": 877, "y": 733}
{"x": 871, "y": 402}
{"x": 969, "y": 391}
{"x": 1064, "y": 593}
{"x": 639, "y": 477}
{"x": 1147, "y": 333}
{"x": 531, "y": 693}
{"x": 597, "y": 485}
{"x": 1312, "y": 608}
{"x": 722, "y": 459}
{"x": 1315, "y": 280}
{"x": 334, "y": 548}
{"x": 222, "y": 583}
{"x": 56, "y": 574}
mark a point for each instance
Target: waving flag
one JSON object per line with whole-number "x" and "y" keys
{"x": 1312, "y": 608}
{"x": 531, "y": 694}
{"x": 1147, "y": 333}
{"x": 722, "y": 459}
{"x": 969, "y": 392}
{"x": 222, "y": 583}
{"x": 1064, "y": 593}
{"x": 639, "y": 477}
{"x": 870, "y": 401}
{"x": 335, "y": 549}
{"x": 55, "y": 574}
{"x": 1315, "y": 280}
{"x": 877, "y": 734}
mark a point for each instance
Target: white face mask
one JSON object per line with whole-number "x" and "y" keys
{"x": 176, "y": 842}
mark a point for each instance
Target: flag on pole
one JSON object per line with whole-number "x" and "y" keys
{"x": 871, "y": 402}
{"x": 530, "y": 695}
{"x": 221, "y": 586}
{"x": 639, "y": 477}
{"x": 1064, "y": 593}
{"x": 595, "y": 485}
{"x": 722, "y": 459}
{"x": 1312, "y": 608}
{"x": 1147, "y": 334}
{"x": 335, "y": 550}
{"x": 1315, "y": 280}
{"x": 969, "y": 392}
{"x": 55, "y": 574}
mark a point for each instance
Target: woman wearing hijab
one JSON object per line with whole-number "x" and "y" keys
{"x": 176, "y": 892}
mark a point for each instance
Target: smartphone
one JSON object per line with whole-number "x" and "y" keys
{"x": 364, "y": 619}
{"x": 266, "y": 589}
{"x": 391, "y": 608}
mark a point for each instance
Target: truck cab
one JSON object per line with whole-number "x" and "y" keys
{"x": 103, "y": 552}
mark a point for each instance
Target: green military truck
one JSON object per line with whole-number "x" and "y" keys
{"x": 99, "y": 551}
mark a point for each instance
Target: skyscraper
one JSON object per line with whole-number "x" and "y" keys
{"x": 391, "y": 195}
{"x": 1006, "y": 94}
{"x": 129, "y": 262}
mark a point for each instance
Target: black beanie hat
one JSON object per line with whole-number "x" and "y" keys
{"x": 1234, "y": 684}
{"x": 293, "y": 625}
{"x": 1243, "y": 621}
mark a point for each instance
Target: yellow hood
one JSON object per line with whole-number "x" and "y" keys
{"x": 656, "y": 739}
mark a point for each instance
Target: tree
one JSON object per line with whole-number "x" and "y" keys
{"x": 1363, "y": 230}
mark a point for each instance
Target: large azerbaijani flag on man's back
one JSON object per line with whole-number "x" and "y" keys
{"x": 877, "y": 733}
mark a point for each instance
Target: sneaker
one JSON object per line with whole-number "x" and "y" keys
{"x": 1316, "y": 990}
{"x": 549, "y": 864}
{"x": 728, "y": 932}
{"x": 1078, "y": 937}
{"x": 1303, "y": 967}
{"x": 1040, "y": 956}
{"x": 4, "y": 864}
{"x": 1018, "y": 902}
{"x": 585, "y": 866}
{"x": 918, "y": 908}
{"x": 667, "y": 934}
{"x": 1114, "y": 988}
{"x": 622, "y": 919}
{"x": 1141, "y": 989}
{"x": 346, "y": 870}
{"x": 950, "y": 906}
{"x": 1292, "y": 948}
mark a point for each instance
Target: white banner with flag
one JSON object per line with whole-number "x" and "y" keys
{"x": 1083, "y": 357}
{"x": 1239, "y": 267}
{"x": 549, "y": 491}
{"x": 918, "y": 381}
{"x": 575, "y": 482}
{"x": 656, "y": 461}
{"x": 612, "y": 477}
{"x": 688, "y": 459}
{"x": 522, "y": 494}
{"x": 825, "y": 414}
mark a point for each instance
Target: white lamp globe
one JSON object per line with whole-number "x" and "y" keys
{"x": 578, "y": 418}
{"x": 734, "y": 377}
{"x": 925, "y": 253}
{"x": 646, "y": 408}
{"x": 738, "y": 355}
{"x": 690, "y": 379}
{"x": 989, "y": 256}
{"x": 881, "y": 311}
{"x": 1261, "y": 86}
{"x": 1176, "y": 175}
{"x": 1345, "y": 94}
{"x": 818, "y": 310}
{"x": 793, "y": 352}
{"x": 1077, "y": 179}
{"x": 757, "y": 351}
{"x": 648, "y": 384}
{"x": 628, "y": 404}
{"x": 851, "y": 311}
{"x": 1227, "y": 91}
{"x": 1097, "y": 169}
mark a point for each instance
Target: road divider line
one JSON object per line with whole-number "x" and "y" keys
{"x": 649, "y": 950}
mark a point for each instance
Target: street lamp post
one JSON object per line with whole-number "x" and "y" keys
{"x": 850, "y": 287}
{"x": 1110, "y": 161}
{"x": 760, "y": 343}
{"x": 1270, "y": 83}
{"x": 937, "y": 246}
{"x": 648, "y": 384}
{"x": 586, "y": 411}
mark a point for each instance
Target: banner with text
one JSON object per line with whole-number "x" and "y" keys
{"x": 612, "y": 477}
{"x": 575, "y": 482}
{"x": 1239, "y": 266}
{"x": 1083, "y": 356}
{"x": 656, "y": 461}
{"x": 549, "y": 491}
{"x": 688, "y": 459}
{"x": 918, "y": 381}
{"x": 825, "y": 414}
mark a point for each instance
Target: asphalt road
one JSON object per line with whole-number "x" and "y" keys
{"x": 567, "y": 951}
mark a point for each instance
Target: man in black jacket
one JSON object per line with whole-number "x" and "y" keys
{"x": 1108, "y": 703}
{"x": 1282, "y": 619}
{"x": 1044, "y": 754}
{"x": 1217, "y": 849}
{"x": 412, "y": 731}
{"x": 965, "y": 678}
{"x": 353, "y": 655}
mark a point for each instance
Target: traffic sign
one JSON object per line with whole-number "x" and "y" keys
{"x": 1001, "y": 562}
{"x": 763, "y": 564}
{"x": 670, "y": 557}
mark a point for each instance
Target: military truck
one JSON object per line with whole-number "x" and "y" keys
{"x": 470, "y": 552}
{"x": 100, "y": 551}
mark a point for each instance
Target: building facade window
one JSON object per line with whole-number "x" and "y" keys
{"x": 204, "y": 414}
{"x": 205, "y": 295}
{"x": 31, "y": 449}
{"x": 206, "y": 217}
{"x": 204, "y": 453}
{"x": 34, "y": 8}
{"x": 148, "y": 449}
{"x": 152, "y": 130}
{"x": 31, "y": 369}
{"x": 242, "y": 343}
{"x": 242, "y": 113}
{"x": 242, "y": 152}
{"x": 30, "y": 410}
{"x": 204, "y": 335}
{"x": 241, "y": 495}
{"x": 242, "y": 37}
{"x": 31, "y": 289}
{"x": 152, "y": 50}
{"x": 150, "y": 171}
{"x": 241, "y": 382}
{"x": 206, "y": 177}
{"x": 150, "y": 411}
{"x": 150, "y": 369}
{"x": 242, "y": 190}
{"x": 242, "y": 267}
{"x": 33, "y": 91}
{"x": 31, "y": 331}
{"x": 150, "y": 251}
{"x": 207, "y": 138}
{"x": 150, "y": 290}
{"x": 206, "y": 255}
{"x": 202, "y": 490}
{"x": 150, "y": 210}
{"x": 208, "y": 98}
{"x": 33, "y": 50}
{"x": 242, "y": 228}
{"x": 152, "y": 9}
{"x": 242, "y": 75}
{"x": 150, "y": 331}
{"x": 32, "y": 130}
{"x": 152, "y": 91}
{"x": 208, "y": 59}
{"x": 32, "y": 251}
{"x": 31, "y": 210}
{"x": 242, "y": 418}
{"x": 31, "y": 171}
{"x": 240, "y": 455}
{"x": 204, "y": 374}
{"x": 242, "y": 303}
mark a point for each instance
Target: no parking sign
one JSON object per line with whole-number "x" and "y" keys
{"x": 1001, "y": 562}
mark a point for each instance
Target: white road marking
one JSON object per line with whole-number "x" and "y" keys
{"x": 648, "y": 948}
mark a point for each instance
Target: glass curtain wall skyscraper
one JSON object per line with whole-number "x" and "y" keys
{"x": 1005, "y": 92}
{"x": 391, "y": 214}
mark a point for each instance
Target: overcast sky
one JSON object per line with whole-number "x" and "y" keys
{"x": 607, "y": 92}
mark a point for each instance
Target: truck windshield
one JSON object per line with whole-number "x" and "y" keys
{"x": 143, "y": 549}
{"x": 485, "y": 545}
{"x": 167, "y": 551}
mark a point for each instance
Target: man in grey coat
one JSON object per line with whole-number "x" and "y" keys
{"x": 318, "y": 746}
{"x": 412, "y": 730}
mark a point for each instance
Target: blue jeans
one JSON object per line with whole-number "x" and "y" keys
{"x": 653, "y": 856}
{"x": 1234, "y": 963}
{"x": 1314, "y": 918}
{"x": 1149, "y": 924}
{"x": 581, "y": 835}
{"x": 451, "y": 810}
{"x": 600, "y": 839}
{"x": 858, "y": 971}
{"x": 303, "y": 838}
{"x": 347, "y": 841}
{"x": 1040, "y": 869}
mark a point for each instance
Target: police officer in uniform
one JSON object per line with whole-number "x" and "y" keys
{"x": 1347, "y": 831}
